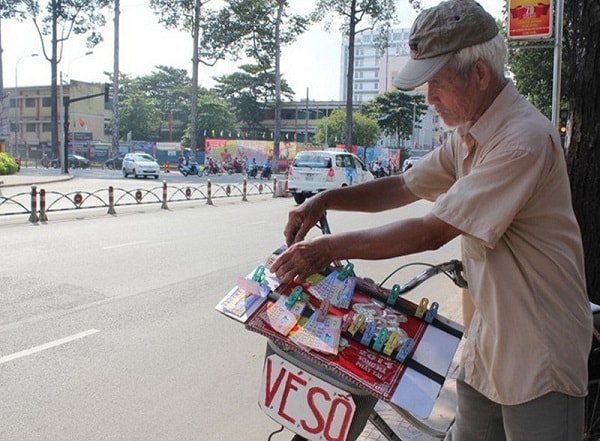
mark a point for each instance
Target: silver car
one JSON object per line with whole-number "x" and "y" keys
{"x": 140, "y": 164}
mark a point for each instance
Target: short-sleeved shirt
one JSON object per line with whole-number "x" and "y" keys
{"x": 503, "y": 182}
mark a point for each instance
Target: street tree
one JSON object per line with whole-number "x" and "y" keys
{"x": 256, "y": 30}
{"x": 582, "y": 35}
{"x": 332, "y": 129}
{"x": 215, "y": 118}
{"x": 249, "y": 91}
{"x": 531, "y": 65}
{"x": 139, "y": 116}
{"x": 8, "y": 9}
{"x": 169, "y": 88}
{"x": 56, "y": 21}
{"x": 357, "y": 16}
{"x": 397, "y": 113}
{"x": 185, "y": 15}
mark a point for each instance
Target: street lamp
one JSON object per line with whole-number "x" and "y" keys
{"x": 17, "y": 107}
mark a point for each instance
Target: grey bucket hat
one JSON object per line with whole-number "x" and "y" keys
{"x": 440, "y": 31}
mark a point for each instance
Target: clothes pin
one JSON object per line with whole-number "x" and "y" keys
{"x": 295, "y": 295}
{"x": 382, "y": 337}
{"x": 392, "y": 343}
{"x": 368, "y": 334}
{"x": 347, "y": 321}
{"x": 346, "y": 272}
{"x": 430, "y": 316}
{"x": 259, "y": 273}
{"x": 422, "y": 308}
{"x": 391, "y": 300}
{"x": 357, "y": 324}
{"x": 405, "y": 350}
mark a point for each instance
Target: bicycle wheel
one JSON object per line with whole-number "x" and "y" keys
{"x": 592, "y": 412}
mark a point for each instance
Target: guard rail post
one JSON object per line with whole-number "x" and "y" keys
{"x": 208, "y": 192}
{"x": 43, "y": 217}
{"x": 111, "y": 200}
{"x": 274, "y": 187}
{"x": 164, "y": 196}
{"x": 244, "y": 190}
{"x": 33, "y": 217}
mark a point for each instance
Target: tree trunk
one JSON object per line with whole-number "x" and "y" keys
{"x": 195, "y": 62}
{"x": 277, "y": 132}
{"x": 350, "y": 75}
{"x": 583, "y": 140}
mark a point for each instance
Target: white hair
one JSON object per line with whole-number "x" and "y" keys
{"x": 493, "y": 52}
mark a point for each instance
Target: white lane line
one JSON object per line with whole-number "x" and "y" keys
{"x": 121, "y": 245}
{"x": 48, "y": 345}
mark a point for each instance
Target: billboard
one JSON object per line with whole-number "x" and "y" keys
{"x": 530, "y": 19}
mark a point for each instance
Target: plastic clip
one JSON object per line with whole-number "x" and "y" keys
{"x": 346, "y": 272}
{"x": 357, "y": 324}
{"x": 430, "y": 316}
{"x": 405, "y": 350}
{"x": 295, "y": 295}
{"x": 391, "y": 300}
{"x": 368, "y": 334}
{"x": 259, "y": 273}
{"x": 382, "y": 337}
{"x": 392, "y": 343}
{"x": 420, "y": 312}
{"x": 347, "y": 321}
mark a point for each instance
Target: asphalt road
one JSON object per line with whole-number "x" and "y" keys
{"x": 108, "y": 328}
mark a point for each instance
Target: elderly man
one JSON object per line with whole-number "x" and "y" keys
{"x": 500, "y": 182}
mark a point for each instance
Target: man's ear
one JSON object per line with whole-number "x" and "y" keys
{"x": 482, "y": 74}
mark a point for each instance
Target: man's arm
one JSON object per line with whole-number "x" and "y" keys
{"x": 392, "y": 240}
{"x": 373, "y": 196}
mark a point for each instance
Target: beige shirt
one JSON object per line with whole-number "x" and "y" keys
{"x": 504, "y": 184}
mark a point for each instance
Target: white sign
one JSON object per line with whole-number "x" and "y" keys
{"x": 306, "y": 405}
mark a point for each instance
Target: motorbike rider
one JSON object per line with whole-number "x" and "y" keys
{"x": 252, "y": 168}
{"x": 267, "y": 168}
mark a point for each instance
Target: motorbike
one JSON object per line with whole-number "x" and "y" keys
{"x": 266, "y": 173}
{"x": 252, "y": 171}
{"x": 189, "y": 169}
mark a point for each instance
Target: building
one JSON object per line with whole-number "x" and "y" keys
{"x": 374, "y": 73}
{"x": 30, "y": 117}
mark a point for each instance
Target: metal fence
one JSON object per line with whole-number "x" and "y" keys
{"x": 37, "y": 204}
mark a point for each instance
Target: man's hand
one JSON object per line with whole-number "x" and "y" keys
{"x": 302, "y": 259}
{"x": 301, "y": 220}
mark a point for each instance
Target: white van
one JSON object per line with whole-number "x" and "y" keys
{"x": 318, "y": 170}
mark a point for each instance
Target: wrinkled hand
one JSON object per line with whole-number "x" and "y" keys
{"x": 302, "y": 259}
{"x": 300, "y": 221}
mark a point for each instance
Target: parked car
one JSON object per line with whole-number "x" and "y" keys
{"x": 318, "y": 170}
{"x": 140, "y": 164}
{"x": 115, "y": 163}
{"x": 74, "y": 161}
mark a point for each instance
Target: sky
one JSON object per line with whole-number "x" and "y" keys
{"x": 311, "y": 65}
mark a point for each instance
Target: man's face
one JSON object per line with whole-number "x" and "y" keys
{"x": 455, "y": 100}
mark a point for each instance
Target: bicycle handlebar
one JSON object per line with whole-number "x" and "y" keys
{"x": 453, "y": 268}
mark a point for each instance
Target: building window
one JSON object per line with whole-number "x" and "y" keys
{"x": 30, "y": 127}
{"x": 29, "y": 102}
{"x": 13, "y": 103}
{"x": 46, "y": 101}
{"x": 46, "y": 127}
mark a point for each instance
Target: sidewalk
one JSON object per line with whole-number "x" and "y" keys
{"x": 33, "y": 176}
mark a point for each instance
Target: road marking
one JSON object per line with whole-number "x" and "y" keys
{"x": 48, "y": 345}
{"x": 139, "y": 242}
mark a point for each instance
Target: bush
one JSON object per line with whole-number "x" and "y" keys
{"x": 8, "y": 165}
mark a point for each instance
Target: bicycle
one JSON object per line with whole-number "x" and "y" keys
{"x": 302, "y": 367}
